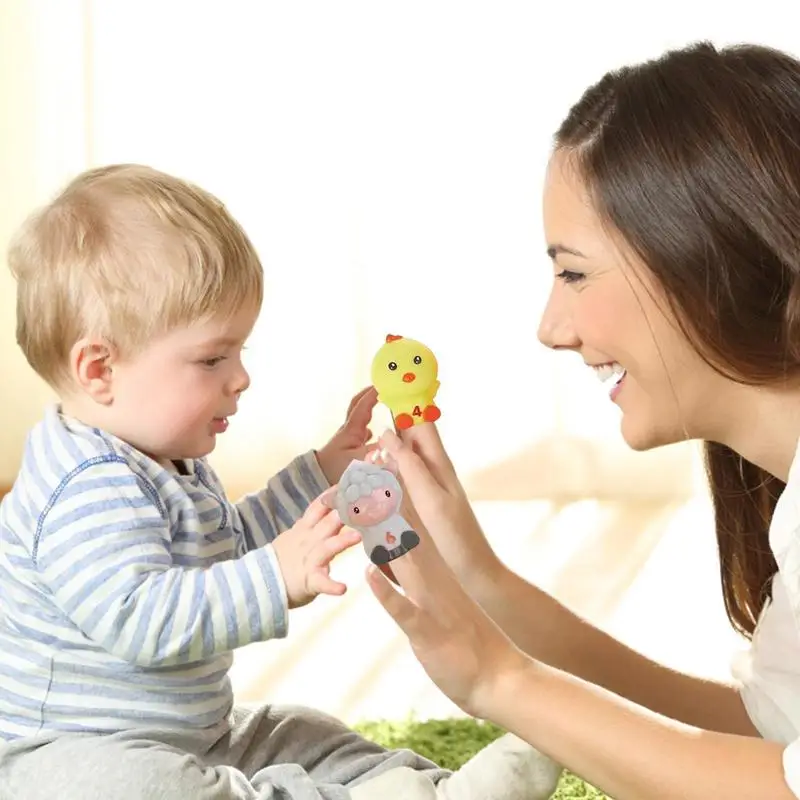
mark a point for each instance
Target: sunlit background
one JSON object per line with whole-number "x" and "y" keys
{"x": 387, "y": 160}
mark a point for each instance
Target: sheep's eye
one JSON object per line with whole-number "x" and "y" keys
{"x": 356, "y": 510}
{"x": 392, "y": 365}
{"x": 388, "y": 493}
{"x": 417, "y": 359}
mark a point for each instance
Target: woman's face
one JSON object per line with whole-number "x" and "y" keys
{"x": 605, "y": 306}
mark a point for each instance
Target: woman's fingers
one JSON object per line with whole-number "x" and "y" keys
{"x": 426, "y": 442}
{"x": 426, "y": 578}
{"x": 420, "y": 481}
{"x": 399, "y": 608}
{"x": 387, "y": 571}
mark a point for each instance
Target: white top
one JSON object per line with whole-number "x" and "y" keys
{"x": 770, "y": 670}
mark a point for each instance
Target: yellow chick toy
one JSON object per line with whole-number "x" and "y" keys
{"x": 404, "y": 372}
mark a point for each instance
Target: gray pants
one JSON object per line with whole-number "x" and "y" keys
{"x": 274, "y": 753}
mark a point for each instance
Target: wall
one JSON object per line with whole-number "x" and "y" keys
{"x": 372, "y": 152}
{"x": 44, "y": 139}
{"x": 23, "y": 394}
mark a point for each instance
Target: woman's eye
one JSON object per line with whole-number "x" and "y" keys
{"x": 212, "y": 362}
{"x": 568, "y": 276}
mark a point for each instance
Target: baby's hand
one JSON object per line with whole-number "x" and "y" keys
{"x": 306, "y": 550}
{"x": 350, "y": 441}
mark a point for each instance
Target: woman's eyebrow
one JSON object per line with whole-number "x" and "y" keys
{"x": 556, "y": 249}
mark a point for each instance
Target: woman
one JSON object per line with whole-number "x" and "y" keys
{"x": 672, "y": 219}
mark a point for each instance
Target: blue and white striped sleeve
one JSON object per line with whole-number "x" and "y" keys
{"x": 277, "y": 507}
{"x": 104, "y": 551}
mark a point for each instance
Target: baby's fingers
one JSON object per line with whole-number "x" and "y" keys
{"x": 327, "y": 525}
{"x": 319, "y": 580}
{"x": 330, "y": 547}
{"x": 366, "y": 398}
{"x": 321, "y": 583}
{"x": 319, "y": 510}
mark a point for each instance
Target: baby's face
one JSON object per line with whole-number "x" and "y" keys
{"x": 176, "y": 396}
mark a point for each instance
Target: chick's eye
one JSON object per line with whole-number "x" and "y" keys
{"x": 388, "y": 493}
{"x": 356, "y": 510}
{"x": 417, "y": 359}
{"x": 392, "y": 365}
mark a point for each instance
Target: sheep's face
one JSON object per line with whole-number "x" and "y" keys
{"x": 375, "y": 507}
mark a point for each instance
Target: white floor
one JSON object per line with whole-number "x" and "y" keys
{"x": 644, "y": 571}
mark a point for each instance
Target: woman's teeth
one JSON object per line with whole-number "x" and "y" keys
{"x": 610, "y": 372}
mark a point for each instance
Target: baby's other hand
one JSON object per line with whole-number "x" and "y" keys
{"x": 350, "y": 441}
{"x": 306, "y": 550}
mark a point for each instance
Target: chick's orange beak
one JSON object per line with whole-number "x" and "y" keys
{"x": 409, "y": 377}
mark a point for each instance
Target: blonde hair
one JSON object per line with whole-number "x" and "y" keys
{"x": 126, "y": 253}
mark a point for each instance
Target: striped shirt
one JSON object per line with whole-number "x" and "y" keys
{"x": 125, "y": 587}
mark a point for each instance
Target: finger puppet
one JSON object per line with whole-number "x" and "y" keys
{"x": 405, "y": 373}
{"x": 368, "y": 499}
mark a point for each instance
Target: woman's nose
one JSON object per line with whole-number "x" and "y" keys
{"x": 556, "y": 328}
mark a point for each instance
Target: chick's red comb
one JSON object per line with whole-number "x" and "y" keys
{"x": 392, "y": 338}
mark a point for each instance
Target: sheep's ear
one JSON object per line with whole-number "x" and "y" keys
{"x": 328, "y": 497}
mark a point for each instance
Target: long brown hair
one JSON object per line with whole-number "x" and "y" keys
{"x": 695, "y": 159}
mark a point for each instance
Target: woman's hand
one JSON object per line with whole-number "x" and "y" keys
{"x": 462, "y": 650}
{"x": 437, "y": 502}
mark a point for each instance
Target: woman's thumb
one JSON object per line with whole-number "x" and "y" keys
{"x": 413, "y": 470}
{"x": 391, "y": 442}
{"x": 399, "y": 451}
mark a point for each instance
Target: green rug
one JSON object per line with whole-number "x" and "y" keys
{"x": 451, "y": 742}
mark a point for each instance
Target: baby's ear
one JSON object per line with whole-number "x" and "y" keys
{"x": 328, "y": 497}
